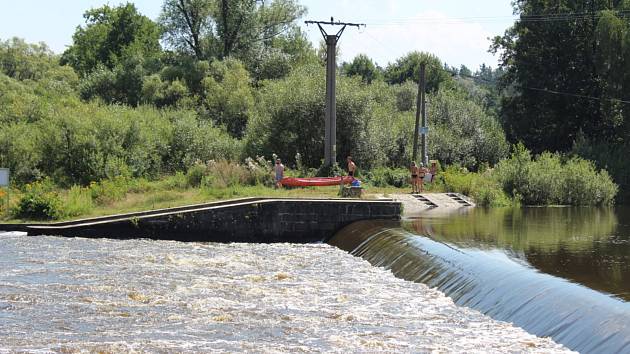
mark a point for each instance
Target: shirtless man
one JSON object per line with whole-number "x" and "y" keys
{"x": 351, "y": 166}
{"x": 279, "y": 170}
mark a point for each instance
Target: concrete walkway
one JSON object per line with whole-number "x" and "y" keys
{"x": 416, "y": 204}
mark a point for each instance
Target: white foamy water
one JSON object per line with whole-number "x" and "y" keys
{"x": 75, "y": 295}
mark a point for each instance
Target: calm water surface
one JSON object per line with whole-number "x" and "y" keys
{"x": 556, "y": 272}
{"x": 589, "y": 246}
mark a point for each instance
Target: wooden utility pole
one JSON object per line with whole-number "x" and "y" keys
{"x": 420, "y": 110}
{"x": 330, "y": 142}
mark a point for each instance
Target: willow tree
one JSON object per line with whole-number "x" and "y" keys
{"x": 223, "y": 28}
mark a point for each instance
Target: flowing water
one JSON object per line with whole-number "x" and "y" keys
{"x": 557, "y": 272}
{"x": 110, "y": 296}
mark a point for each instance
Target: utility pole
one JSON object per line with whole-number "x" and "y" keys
{"x": 421, "y": 110}
{"x": 330, "y": 143}
{"x": 425, "y": 127}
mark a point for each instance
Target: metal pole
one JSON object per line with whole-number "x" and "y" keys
{"x": 330, "y": 135}
{"x": 330, "y": 149}
{"x": 419, "y": 99}
{"x": 424, "y": 115}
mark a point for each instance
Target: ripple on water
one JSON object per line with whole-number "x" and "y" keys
{"x": 141, "y": 295}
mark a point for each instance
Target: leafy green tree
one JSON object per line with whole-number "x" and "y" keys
{"x": 121, "y": 85}
{"x": 408, "y": 68}
{"x": 227, "y": 28}
{"x": 228, "y": 96}
{"x": 163, "y": 93}
{"x": 462, "y": 133}
{"x": 110, "y": 36}
{"x": 112, "y": 53}
{"x": 364, "y": 67}
{"x": 188, "y": 26}
{"x": 563, "y": 73}
{"x": 23, "y": 61}
{"x": 464, "y": 71}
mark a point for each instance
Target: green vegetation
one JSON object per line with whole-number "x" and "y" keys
{"x": 118, "y": 122}
{"x": 567, "y": 85}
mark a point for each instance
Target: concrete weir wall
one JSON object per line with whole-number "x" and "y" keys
{"x": 249, "y": 220}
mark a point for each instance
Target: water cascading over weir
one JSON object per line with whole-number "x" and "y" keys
{"x": 496, "y": 283}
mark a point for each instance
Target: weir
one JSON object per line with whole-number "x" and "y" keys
{"x": 498, "y": 284}
{"x": 258, "y": 220}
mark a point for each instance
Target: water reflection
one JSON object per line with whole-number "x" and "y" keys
{"x": 589, "y": 246}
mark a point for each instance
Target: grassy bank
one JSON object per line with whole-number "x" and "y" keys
{"x": 547, "y": 179}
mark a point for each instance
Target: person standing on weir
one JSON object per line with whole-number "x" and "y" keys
{"x": 422, "y": 171}
{"x": 414, "y": 177}
{"x": 351, "y": 167}
{"x": 279, "y": 170}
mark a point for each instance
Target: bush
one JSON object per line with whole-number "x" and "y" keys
{"x": 223, "y": 173}
{"x": 195, "y": 175}
{"x": 78, "y": 201}
{"x": 39, "y": 201}
{"x": 383, "y": 177}
{"x": 482, "y": 187}
{"x": 547, "y": 179}
{"x": 610, "y": 156}
{"x": 112, "y": 190}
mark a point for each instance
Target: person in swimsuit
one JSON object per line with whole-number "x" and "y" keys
{"x": 279, "y": 170}
{"x": 422, "y": 171}
{"x": 351, "y": 167}
{"x": 414, "y": 177}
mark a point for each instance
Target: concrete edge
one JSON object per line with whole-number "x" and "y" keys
{"x": 191, "y": 208}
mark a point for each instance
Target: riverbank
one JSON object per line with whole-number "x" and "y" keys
{"x": 127, "y": 196}
{"x": 228, "y": 297}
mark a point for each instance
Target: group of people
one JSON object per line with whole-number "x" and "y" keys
{"x": 279, "y": 170}
{"x": 418, "y": 173}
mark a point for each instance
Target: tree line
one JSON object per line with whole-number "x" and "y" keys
{"x": 566, "y": 86}
{"x": 232, "y": 79}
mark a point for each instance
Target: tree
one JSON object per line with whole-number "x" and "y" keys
{"x": 222, "y": 28}
{"x": 362, "y": 66}
{"x": 464, "y": 71}
{"x": 111, "y": 36}
{"x": 228, "y": 96}
{"x": 563, "y": 74}
{"x": 188, "y": 26}
{"x": 23, "y": 61}
{"x": 408, "y": 68}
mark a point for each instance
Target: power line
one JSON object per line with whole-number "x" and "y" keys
{"x": 616, "y": 100}
{"x": 480, "y": 19}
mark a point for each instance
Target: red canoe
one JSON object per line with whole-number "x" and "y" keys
{"x": 315, "y": 181}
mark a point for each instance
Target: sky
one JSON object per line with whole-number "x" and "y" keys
{"x": 457, "y": 31}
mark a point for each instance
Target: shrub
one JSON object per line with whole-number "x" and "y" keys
{"x": 610, "y": 156}
{"x": 547, "y": 179}
{"x": 108, "y": 191}
{"x": 78, "y": 201}
{"x": 195, "y": 175}
{"x": 223, "y": 173}
{"x": 383, "y": 177}
{"x": 39, "y": 201}
{"x": 482, "y": 187}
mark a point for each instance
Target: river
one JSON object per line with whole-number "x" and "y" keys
{"x": 99, "y": 295}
